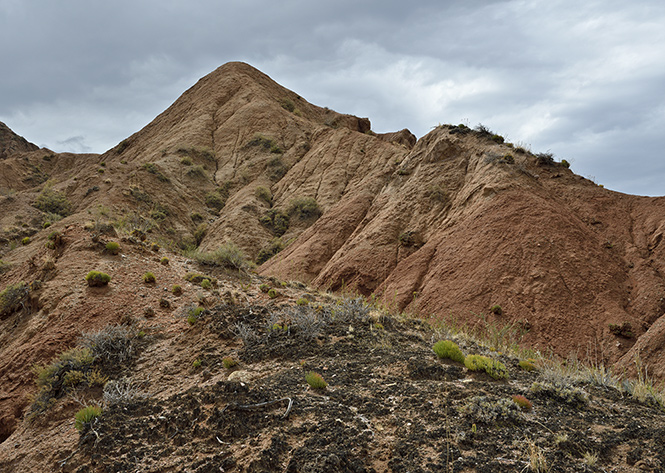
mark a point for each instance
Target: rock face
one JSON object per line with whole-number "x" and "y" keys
{"x": 447, "y": 226}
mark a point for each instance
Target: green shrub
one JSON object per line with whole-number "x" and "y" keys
{"x": 149, "y": 278}
{"x": 527, "y": 365}
{"x": 276, "y": 168}
{"x": 565, "y": 163}
{"x": 229, "y": 362}
{"x": 215, "y": 200}
{"x": 302, "y": 301}
{"x": 86, "y": 416}
{"x": 625, "y": 330}
{"x": 4, "y": 267}
{"x": 449, "y": 350}
{"x": 315, "y": 380}
{"x": 97, "y": 279}
{"x": 263, "y": 142}
{"x": 13, "y": 297}
{"x": 272, "y": 293}
{"x": 568, "y": 394}
{"x": 228, "y": 255}
{"x": 176, "y": 290}
{"x": 25, "y": 241}
{"x": 267, "y": 252}
{"x": 113, "y": 247}
{"x": 264, "y": 288}
{"x": 186, "y": 161}
{"x": 276, "y": 221}
{"x": 287, "y": 104}
{"x": 164, "y": 261}
{"x": 496, "y": 309}
{"x": 197, "y": 363}
{"x": 304, "y": 208}
{"x": 497, "y": 138}
{"x": 54, "y": 202}
{"x": 200, "y": 233}
{"x": 205, "y": 284}
{"x": 494, "y": 368}
{"x": 196, "y": 171}
{"x": 264, "y": 194}
{"x": 153, "y": 169}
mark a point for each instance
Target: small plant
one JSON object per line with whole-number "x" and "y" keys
{"x": 149, "y": 278}
{"x": 590, "y": 459}
{"x": 304, "y": 208}
{"x": 97, "y": 279}
{"x": 206, "y": 284}
{"x": 164, "y": 261}
{"x": 154, "y": 247}
{"x": 264, "y": 194}
{"x": 197, "y": 363}
{"x": 272, "y": 293}
{"x": 315, "y": 380}
{"x": 276, "y": 221}
{"x": 527, "y": 365}
{"x": 625, "y": 330}
{"x": 86, "y": 416}
{"x": 522, "y": 402}
{"x": 302, "y": 301}
{"x": 449, "y": 350}
{"x": 264, "y": 288}
{"x": 186, "y": 161}
{"x": 54, "y": 202}
{"x": 113, "y": 247}
{"x": 229, "y": 362}
{"x": 495, "y": 369}
{"x": 487, "y": 410}
{"x": 176, "y": 290}
{"x": 193, "y": 314}
{"x": 25, "y": 241}
{"x": 565, "y": 164}
{"x": 153, "y": 169}
{"x": 568, "y": 394}
{"x": 496, "y": 309}
{"x": 4, "y": 266}
{"x": 228, "y": 255}
{"x": 215, "y": 200}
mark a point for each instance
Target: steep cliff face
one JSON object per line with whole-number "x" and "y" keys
{"x": 445, "y": 226}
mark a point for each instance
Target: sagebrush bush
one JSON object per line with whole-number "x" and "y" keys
{"x": 304, "y": 208}
{"x": 228, "y": 255}
{"x": 449, "y": 350}
{"x": 86, "y": 416}
{"x": 13, "y": 297}
{"x": 97, "y": 279}
{"x": 122, "y": 391}
{"x": 53, "y": 201}
{"x": 111, "y": 345}
{"x": 527, "y": 365}
{"x": 315, "y": 380}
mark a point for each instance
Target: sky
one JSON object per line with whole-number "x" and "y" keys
{"x": 583, "y": 80}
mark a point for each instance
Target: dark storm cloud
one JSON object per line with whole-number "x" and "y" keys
{"x": 583, "y": 79}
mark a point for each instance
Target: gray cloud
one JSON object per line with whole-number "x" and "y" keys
{"x": 582, "y": 79}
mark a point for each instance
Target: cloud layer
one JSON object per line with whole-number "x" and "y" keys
{"x": 582, "y": 79}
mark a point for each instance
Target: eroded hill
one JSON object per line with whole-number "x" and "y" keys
{"x": 446, "y": 227}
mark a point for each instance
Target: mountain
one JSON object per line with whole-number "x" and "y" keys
{"x": 457, "y": 227}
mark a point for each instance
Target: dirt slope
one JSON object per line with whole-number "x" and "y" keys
{"x": 444, "y": 227}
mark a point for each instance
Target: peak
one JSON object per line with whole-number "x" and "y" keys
{"x": 11, "y": 143}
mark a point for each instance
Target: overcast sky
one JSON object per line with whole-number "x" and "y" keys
{"x": 582, "y": 79}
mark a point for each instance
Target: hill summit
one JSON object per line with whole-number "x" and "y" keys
{"x": 458, "y": 226}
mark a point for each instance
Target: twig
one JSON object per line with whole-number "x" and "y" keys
{"x": 262, "y": 404}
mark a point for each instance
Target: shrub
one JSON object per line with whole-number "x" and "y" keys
{"x": 186, "y": 161}
{"x": 86, "y": 416}
{"x": 568, "y": 394}
{"x": 438, "y": 193}
{"x": 487, "y": 410}
{"x": 25, "y": 241}
{"x": 196, "y": 171}
{"x": 264, "y": 288}
{"x": 4, "y": 267}
{"x": 264, "y": 194}
{"x": 197, "y": 363}
{"x": 272, "y": 293}
{"x": 565, "y": 163}
{"x": 215, "y": 200}
{"x": 522, "y": 402}
{"x": 153, "y": 169}
{"x": 54, "y": 202}
{"x": 97, "y": 279}
{"x": 229, "y": 362}
{"x": 121, "y": 391}
{"x": 263, "y": 142}
{"x": 176, "y": 290}
{"x": 287, "y": 104}
{"x": 206, "y": 284}
{"x": 527, "y": 365}
{"x": 228, "y": 255}
{"x": 495, "y": 369}
{"x": 302, "y": 301}
{"x": 111, "y": 344}
{"x": 12, "y": 297}
{"x": 496, "y": 309}
{"x": 113, "y": 247}
{"x": 276, "y": 221}
{"x": 194, "y": 313}
{"x": 544, "y": 159}
{"x": 276, "y": 168}
{"x": 164, "y": 261}
{"x": 625, "y": 329}
{"x": 149, "y": 278}
{"x": 315, "y": 380}
{"x": 449, "y": 350}
{"x": 200, "y": 233}
{"x": 304, "y": 208}
{"x": 267, "y": 252}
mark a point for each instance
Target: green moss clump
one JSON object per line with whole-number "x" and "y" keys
{"x": 495, "y": 369}
{"x": 97, "y": 279}
{"x": 449, "y": 350}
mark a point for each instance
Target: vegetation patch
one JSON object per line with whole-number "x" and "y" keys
{"x": 315, "y": 380}
{"x": 228, "y": 255}
{"x": 86, "y": 416}
{"x": 304, "y": 208}
{"x": 494, "y": 368}
{"x": 12, "y": 298}
{"x": 270, "y": 250}
{"x": 54, "y": 202}
{"x": 276, "y": 221}
{"x": 97, "y": 279}
{"x": 153, "y": 169}
{"x": 448, "y": 350}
